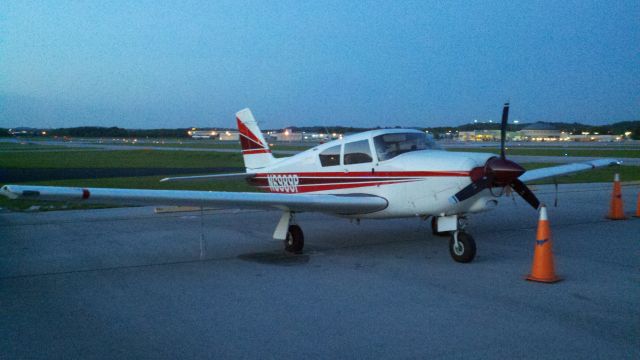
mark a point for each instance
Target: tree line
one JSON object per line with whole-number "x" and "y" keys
{"x": 618, "y": 128}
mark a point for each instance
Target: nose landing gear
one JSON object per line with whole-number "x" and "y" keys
{"x": 462, "y": 247}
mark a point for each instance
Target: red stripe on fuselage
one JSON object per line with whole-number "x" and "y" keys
{"x": 375, "y": 174}
{"x": 312, "y": 188}
{"x": 256, "y": 151}
{"x": 320, "y": 181}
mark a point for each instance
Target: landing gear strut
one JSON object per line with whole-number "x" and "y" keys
{"x": 434, "y": 228}
{"x": 294, "y": 243}
{"x": 462, "y": 247}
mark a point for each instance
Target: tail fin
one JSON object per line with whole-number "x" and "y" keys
{"x": 255, "y": 150}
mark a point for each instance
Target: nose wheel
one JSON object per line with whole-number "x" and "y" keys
{"x": 294, "y": 243}
{"x": 462, "y": 247}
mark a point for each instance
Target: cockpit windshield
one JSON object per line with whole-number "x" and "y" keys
{"x": 391, "y": 145}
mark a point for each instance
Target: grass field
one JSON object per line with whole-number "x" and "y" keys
{"x": 183, "y": 159}
{"x": 119, "y": 159}
{"x": 219, "y": 145}
{"x": 4, "y": 146}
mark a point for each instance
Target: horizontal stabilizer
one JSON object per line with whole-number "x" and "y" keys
{"x": 211, "y": 177}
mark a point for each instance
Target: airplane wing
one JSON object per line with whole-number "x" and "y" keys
{"x": 334, "y": 204}
{"x": 537, "y": 174}
{"x": 212, "y": 177}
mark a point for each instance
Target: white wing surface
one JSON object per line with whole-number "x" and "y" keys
{"x": 333, "y": 204}
{"x": 211, "y": 177}
{"x": 537, "y": 174}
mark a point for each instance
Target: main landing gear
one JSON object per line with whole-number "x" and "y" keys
{"x": 462, "y": 246}
{"x": 290, "y": 233}
{"x": 294, "y": 243}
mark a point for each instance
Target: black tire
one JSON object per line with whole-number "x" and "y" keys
{"x": 434, "y": 228}
{"x": 467, "y": 248}
{"x": 294, "y": 243}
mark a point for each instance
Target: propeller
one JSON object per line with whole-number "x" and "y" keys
{"x": 498, "y": 172}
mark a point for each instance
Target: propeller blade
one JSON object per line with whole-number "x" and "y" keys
{"x": 525, "y": 192}
{"x": 472, "y": 189}
{"x": 503, "y": 128}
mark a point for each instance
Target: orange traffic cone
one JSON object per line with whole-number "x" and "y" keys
{"x": 616, "y": 212}
{"x": 543, "y": 269}
{"x": 638, "y": 207}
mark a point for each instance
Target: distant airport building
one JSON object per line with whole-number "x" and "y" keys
{"x": 486, "y": 135}
{"x": 541, "y": 131}
{"x": 203, "y": 134}
{"x": 479, "y": 135}
{"x": 25, "y": 131}
{"x": 229, "y": 135}
{"x": 287, "y": 135}
{"x": 586, "y": 136}
{"x": 308, "y": 136}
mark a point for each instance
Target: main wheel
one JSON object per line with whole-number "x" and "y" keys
{"x": 434, "y": 228}
{"x": 465, "y": 250}
{"x": 295, "y": 240}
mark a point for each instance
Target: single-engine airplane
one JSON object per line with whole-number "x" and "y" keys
{"x": 377, "y": 174}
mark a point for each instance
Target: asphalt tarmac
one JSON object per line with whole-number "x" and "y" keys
{"x": 128, "y": 283}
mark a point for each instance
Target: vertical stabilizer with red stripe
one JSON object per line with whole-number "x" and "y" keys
{"x": 255, "y": 150}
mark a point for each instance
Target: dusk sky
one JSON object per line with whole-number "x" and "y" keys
{"x": 156, "y": 64}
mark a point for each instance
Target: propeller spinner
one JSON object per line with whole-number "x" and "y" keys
{"x": 498, "y": 172}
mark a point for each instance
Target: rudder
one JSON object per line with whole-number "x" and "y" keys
{"x": 255, "y": 150}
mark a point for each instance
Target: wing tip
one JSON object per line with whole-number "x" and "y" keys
{"x": 6, "y": 191}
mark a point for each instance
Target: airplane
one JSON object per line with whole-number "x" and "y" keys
{"x": 377, "y": 174}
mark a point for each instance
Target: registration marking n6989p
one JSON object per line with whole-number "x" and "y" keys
{"x": 283, "y": 183}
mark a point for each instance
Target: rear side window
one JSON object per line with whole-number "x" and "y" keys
{"x": 331, "y": 156}
{"x": 357, "y": 152}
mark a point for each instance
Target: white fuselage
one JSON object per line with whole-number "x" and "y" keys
{"x": 415, "y": 183}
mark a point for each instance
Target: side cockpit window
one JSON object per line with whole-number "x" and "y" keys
{"x": 330, "y": 156}
{"x": 357, "y": 152}
{"x": 391, "y": 145}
